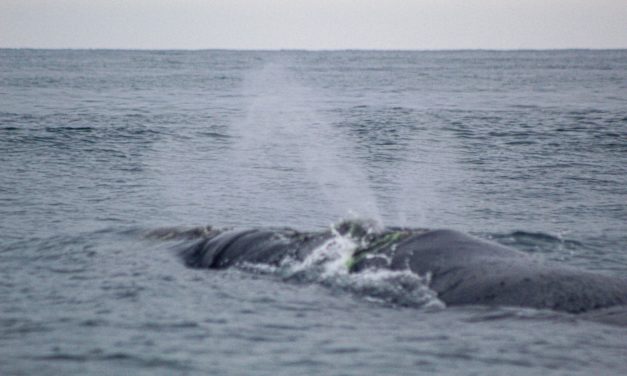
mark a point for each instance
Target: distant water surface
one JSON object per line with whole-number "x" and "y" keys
{"x": 527, "y": 148}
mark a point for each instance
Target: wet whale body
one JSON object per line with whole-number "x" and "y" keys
{"x": 462, "y": 269}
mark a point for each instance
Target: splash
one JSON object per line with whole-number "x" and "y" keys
{"x": 330, "y": 265}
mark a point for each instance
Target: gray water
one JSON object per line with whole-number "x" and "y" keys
{"x": 526, "y": 148}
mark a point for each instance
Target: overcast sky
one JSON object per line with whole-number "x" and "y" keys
{"x": 314, "y": 24}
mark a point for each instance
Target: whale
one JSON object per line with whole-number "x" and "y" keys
{"x": 462, "y": 269}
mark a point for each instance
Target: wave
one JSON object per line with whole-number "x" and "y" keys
{"x": 537, "y": 242}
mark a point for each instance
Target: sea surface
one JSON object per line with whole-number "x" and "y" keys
{"x": 100, "y": 147}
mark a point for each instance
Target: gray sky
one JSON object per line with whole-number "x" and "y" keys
{"x": 314, "y": 24}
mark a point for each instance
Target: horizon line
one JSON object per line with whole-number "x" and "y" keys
{"x": 316, "y": 49}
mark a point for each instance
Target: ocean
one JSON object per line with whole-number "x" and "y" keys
{"x": 100, "y": 147}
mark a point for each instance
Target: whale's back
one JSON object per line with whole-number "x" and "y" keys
{"x": 467, "y": 270}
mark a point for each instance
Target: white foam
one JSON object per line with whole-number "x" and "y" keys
{"x": 329, "y": 265}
